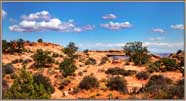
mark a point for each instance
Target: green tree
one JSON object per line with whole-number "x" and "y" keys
{"x": 67, "y": 66}
{"x": 40, "y": 40}
{"x": 136, "y": 52}
{"x": 42, "y": 58}
{"x": 24, "y": 87}
{"x": 70, "y": 49}
{"x": 4, "y": 46}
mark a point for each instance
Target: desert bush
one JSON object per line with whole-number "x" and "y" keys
{"x": 154, "y": 67}
{"x": 67, "y": 66}
{"x": 40, "y": 40}
{"x": 88, "y": 82}
{"x": 117, "y": 83}
{"x": 142, "y": 75}
{"x": 86, "y": 51}
{"x": 8, "y": 68}
{"x": 104, "y": 60}
{"x": 55, "y": 55}
{"x": 120, "y": 71}
{"x": 127, "y": 63}
{"x": 24, "y": 87}
{"x": 17, "y": 61}
{"x": 5, "y": 87}
{"x": 76, "y": 89}
{"x": 136, "y": 52}
{"x": 90, "y": 61}
{"x": 64, "y": 83}
{"x": 70, "y": 49}
{"x": 159, "y": 87}
{"x": 45, "y": 81}
{"x": 80, "y": 73}
{"x": 42, "y": 58}
{"x": 170, "y": 64}
{"x": 13, "y": 46}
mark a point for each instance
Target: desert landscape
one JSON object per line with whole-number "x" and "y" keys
{"x": 93, "y": 50}
{"x": 88, "y": 74}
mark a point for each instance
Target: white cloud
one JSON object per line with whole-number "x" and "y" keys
{"x": 109, "y": 16}
{"x": 156, "y": 38}
{"x": 163, "y": 44}
{"x": 39, "y": 22}
{"x": 158, "y": 30}
{"x": 177, "y": 26}
{"x": 4, "y": 13}
{"x": 43, "y": 15}
{"x": 116, "y": 25}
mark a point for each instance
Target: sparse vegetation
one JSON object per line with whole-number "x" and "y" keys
{"x": 42, "y": 58}
{"x": 90, "y": 61}
{"x": 159, "y": 87}
{"x": 45, "y": 81}
{"x": 136, "y": 52}
{"x": 13, "y": 46}
{"x": 24, "y": 87}
{"x": 104, "y": 60}
{"x": 88, "y": 82}
{"x": 170, "y": 64}
{"x": 154, "y": 67}
{"x": 64, "y": 83}
{"x": 120, "y": 71}
{"x": 67, "y": 66}
{"x": 8, "y": 69}
{"x": 70, "y": 49}
{"x": 142, "y": 75}
{"x": 117, "y": 83}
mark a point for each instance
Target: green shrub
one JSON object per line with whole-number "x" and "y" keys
{"x": 70, "y": 49}
{"x": 88, "y": 82}
{"x": 76, "y": 89}
{"x": 64, "y": 83}
{"x": 159, "y": 87}
{"x": 40, "y": 40}
{"x": 86, "y": 51}
{"x": 67, "y": 66}
{"x": 104, "y": 60}
{"x": 142, "y": 75}
{"x": 45, "y": 81}
{"x": 90, "y": 61}
{"x": 24, "y": 87}
{"x": 42, "y": 58}
{"x": 117, "y": 83}
{"x": 8, "y": 68}
{"x": 55, "y": 55}
{"x": 154, "y": 67}
{"x": 170, "y": 64}
{"x": 120, "y": 71}
{"x": 136, "y": 52}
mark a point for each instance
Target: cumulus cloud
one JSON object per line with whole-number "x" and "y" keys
{"x": 109, "y": 16}
{"x": 156, "y": 38}
{"x": 177, "y": 26}
{"x": 116, "y": 25}
{"x": 158, "y": 30}
{"x": 43, "y": 15}
{"x": 39, "y": 22}
{"x": 4, "y": 13}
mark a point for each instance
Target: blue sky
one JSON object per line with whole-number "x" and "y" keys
{"x": 97, "y": 26}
